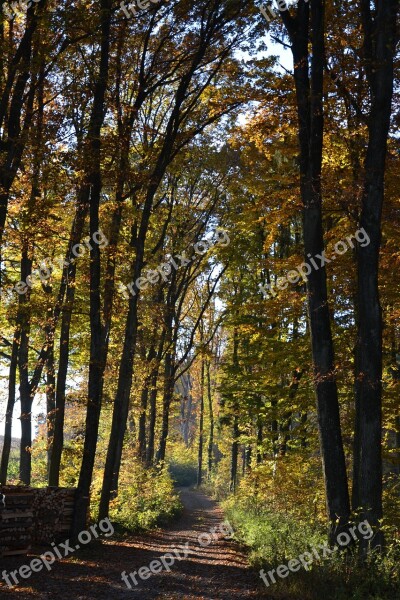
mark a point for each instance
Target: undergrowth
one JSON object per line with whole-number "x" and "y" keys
{"x": 274, "y": 538}
{"x": 146, "y": 499}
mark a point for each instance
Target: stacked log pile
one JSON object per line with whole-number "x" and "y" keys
{"x": 68, "y": 496}
{"x": 16, "y": 521}
{"x": 53, "y": 509}
{"x": 34, "y": 516}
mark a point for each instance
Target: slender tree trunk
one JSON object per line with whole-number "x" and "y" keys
{"x": 287, "y": 420}
{"x": 58, "y": 438}
{"x": 50, "y": 403}
{"x": 28, "y": 223}
{"x": 149, "y": 358}
{"x": 274, "y": 428}
{"x": 153, "y": 402}
{"x": 125, "y": 375}
{"x": 259, "y": 432}
{"x": 304, "y": 441}
{"x": 152, "y": 418}
{"x": 234, "y": 453}
{"x": 395, "y": 371}
{"x": 379, "y": 47}
{"x": 97, "y": 340}
{"x": 169, "y": 382}
{"x": 397, "y": 446}
{"x": 246, "y": 458}
{"x": 201, "y": 427}
{"x": 170, "y": 367}
{"x": 142, "y": 420}
{"x": 23, "y": 364}
{"x": 211, "y": 421}
{"x": 235, "y": 427}
{"x": 188, "y": 415}
{"x": 12, "y": 380}
{"x": 259, "y": 441}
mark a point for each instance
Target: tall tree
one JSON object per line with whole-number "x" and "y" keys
{"x": 309, "y": 26}
{"x": 380, "y": 37}
{"x": 91, "y": 190}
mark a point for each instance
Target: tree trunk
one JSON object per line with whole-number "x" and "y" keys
{"x": 58, "y": 438}
{"x": 379, "y": 46}
{"x": 125, "y": 375}
{"x": 187, "y": 416}
{"x": 50, "y": 403}
{"x": 234, "y": 454}
{"x": 12, "y": 380}
{"x": 235, "y": 428}
{"x": 142, "y": 420}
{"x": 152, "y": 418}
{"x": 169, "y": 382}
{"x": 23, "y": 364}
{"x": 259, "y": 441}
{"x": 93, "y": 186}
{"x": 149, "y": 358}
{"x": 201, "y": 428}
{"x": 153, "y": 403}
{"x": 309, "y": 94}
{"x": 211, "y": 420}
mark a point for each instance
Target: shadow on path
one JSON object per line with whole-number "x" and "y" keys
{"x": 217, "y": 571}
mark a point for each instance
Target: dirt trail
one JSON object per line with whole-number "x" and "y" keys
{"x": 218, "y": 571}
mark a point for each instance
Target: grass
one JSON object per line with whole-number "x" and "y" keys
{"x": 274, "y": 539}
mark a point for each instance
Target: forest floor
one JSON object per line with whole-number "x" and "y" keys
{"x": 216, "y": 571}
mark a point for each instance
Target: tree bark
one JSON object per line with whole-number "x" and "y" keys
{"x": 144, "y": 397}
{"x": 152, "y": 418}
{"x": 235, "y": 428}
{"x": 50, "y": 403}
{"x": 169, "y": 382}
{"x": 63, "y": 359}
{"x": 97, "y": 341}
{"x": 24, "y": 387}
{"x": 234, "y": 453}
{"x": 153, "y": 402}
{"x": 201, "y": 427}
{"x": 309, "y": 94}
{"x": 211, "y": 420}
{"x": 12, "y": 380}
{"x": 379, "y": 46}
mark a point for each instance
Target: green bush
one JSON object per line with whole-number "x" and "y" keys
{"x": 275, "y": 538}
{"x": 272, "y": 537}
{"x": 145, "y": 500}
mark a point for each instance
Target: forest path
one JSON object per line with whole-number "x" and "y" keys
{"x": 214, "y": 568}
